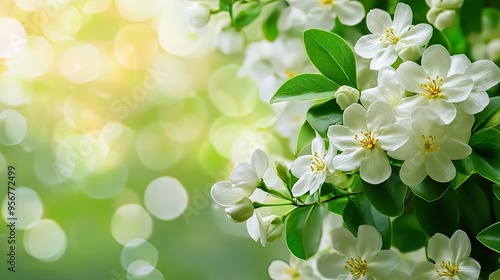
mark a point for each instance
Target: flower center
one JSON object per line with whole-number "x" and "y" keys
{"x": 368, "y": 141}
{"x": 356, "y": 267}
{"x": 294, "y": 273}
{"x": 430, "y": 144}
{"x": 447, "y": 269}
{"x": 317, "y": 164}
{"x": 389, "y": 36}
{"x": 290, "y": 74}
{"x": 433, "y": 88}
{"x": 326, "y": 2}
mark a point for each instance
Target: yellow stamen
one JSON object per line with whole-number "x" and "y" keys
{"x": 430, "y": 144}
{"x": 326, "y": 2}
{"x": 448, "y": 270}
{"x": 389, "y": 36}
{"x": 368, "y": 141}
{"x": 356, "y": 267}
{"x": 317, "y": 164}
{"x": 290, "y": 74}
{"x": 433, "y": 88}
{"x": 294, "y": 273}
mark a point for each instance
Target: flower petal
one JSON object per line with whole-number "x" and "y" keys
{"x": 408, "y": 104}
{"x": 484, "y": 73}
{"x": 302, "y": 185}
{"x": 368, "y": 46}
{"x": 402, "y": 18}
{"x": 436, "y": 61}
{"x": 379, "y": 115}
{"x": 456, "y": 88}
{"x": 413, "y": 170}
{"x": 392, "y": 137}
{"x": 459, "y": 63}
{"x": 375, "y": 168}
{"x": 378, "y": 21}
{"x": 344, "y": 242}
{"x": 349, "y": 160}
{"x": 332, "y": 265}
{"x": 259, "y": 162}
{"x": 354, "y": 117}
{"x": 342, "y": 137}
{"x": 224, "y": 194}
{"x": 455, "y": 149}
{"x": 439, "y": 167}
{"x": 253, "y": 226}
{"x": 316, "y": 180}
{"x": 318, "y": 146}
{"x": 460, "y": 244}
{"x": 384, "y": 58}
{"x": 419, "y": 34}
{"x": 446, "y": 111}
{"x": 438, "y": 248}
{"x": 381, "y": 266}
{"x": 475, "y": 103}
{"x": 277, "y": 270}
{"x": 369, "y": 242}
{"x": 301, "y": 166}
{"x": 244, "y": 172}
{"x": 470, "y": 269}
{"x": 424, "y": 271}
{"x": 411, "y": 75}
{"x": 350, "y": 12}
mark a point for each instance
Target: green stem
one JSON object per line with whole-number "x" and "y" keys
{"x": 264, "y": 187}
{"x": 329, "y": 199}
{"x": 259, "y": 205}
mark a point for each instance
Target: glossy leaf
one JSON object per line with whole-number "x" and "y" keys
{"x": 303, "y": 231}
{"x": 490, "y": 237}
{"x": 321, "y": 116}
{"x": 491, "y": 110}
{"x": 486, "y": 153}
{"x": 306, "y": 87}
{"x": 440, "y": 216}
{"x": 270, "y": 25}
{"x": 430, "y": 190}
{"x": 387, "y": 197}
{"x": 475, "y": 208}
{"x": 248, "y": 15}
{"x": 464, "y": 168}
{"x": 359, "y": 211}
{"x": 305, "y": 138}
{"x": 332, "y": 56}
{"x": 405, "y": 228}
{"x": 225, "y": 5}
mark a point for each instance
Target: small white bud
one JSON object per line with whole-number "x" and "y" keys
{"x": 407, "y": 52}
{"x": 197, "y": 16}
{"x": 346, "y": 96}
{"x": 441, "y": 18}
{"x": 275, "y": 228}
{"x": 242, "y": 211}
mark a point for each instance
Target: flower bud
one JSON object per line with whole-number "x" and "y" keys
{"x": 407, "y": 52}
{"x": 275, "y": 227}
{"x": 346, "y": 96}
{"x": 282, "y": 172}
{"x": 441, "y": 18}
{"x": 241, "y": 211}
{"x": 197, "y": 15}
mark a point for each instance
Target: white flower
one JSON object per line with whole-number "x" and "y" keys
{"x": 270, "y": 64}
{"x": 442, "y": 12}
{"x": 484, "y": 73}
{"x": 197, "y": 16}
{"x": 345, "y": 96}
{"x": 297, "y": 269}
{"x": 241, "y": 211}
{"x": 312, "y": 170}
{"x": 229, "y": 41}
{"x": 451, "y": 259}
{"x": 432, "y": 146}
{"x": 321, "y": 14}
{"x": 388, "y": 90}
{"x": 358, "y": 258}
{"x": 392, "y": 39}
{"x": 290, "y": 118}
{"x": 364, "y": 137}
{"x": 434, "y": 86}
{"x": 250, "y": 174}
{"x": 267, "y": 229}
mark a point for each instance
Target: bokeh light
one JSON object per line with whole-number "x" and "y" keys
{"x": 13, "y": 127}
{"x": 35, "y": 60}
{"x": 139, "y": 257}
{"x": 29, "y": 208}
{"x": 166, "y": 198}
{"x": 81, "y": 64}
{"x": 130, "y": 222}
{"x": 46, "y": 241}
{"x": 12, "y": 37}
{"x": 136, "y": 46}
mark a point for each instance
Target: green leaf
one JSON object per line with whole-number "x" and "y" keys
{"x": 496, "y": 191}
{"x": 387, "y": 197}
{"x": 321, "y": 116}
{"x": 248, "y": 14}
{"x": 406, "y": 228}
{"x": 270, "y": 25}
{"x": 486, "y": 153}
{"x": 490, "y": 111}
{"x": 359, "y": 211}
{"x": 225, "y": 5}
{"x": 337, "y": 206}
{"x": 305, "y": 138}
{"x": 332, "y": 56}
{"x": 429, "y": 189}
{"x": 475, "y": 208}
{"x": 490, "y": 237}
{"x": 464, "y": 168}
{"x": 303, "y": 231}
{"x": 441, "y": 215}
{"x": 306, "y": 87}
